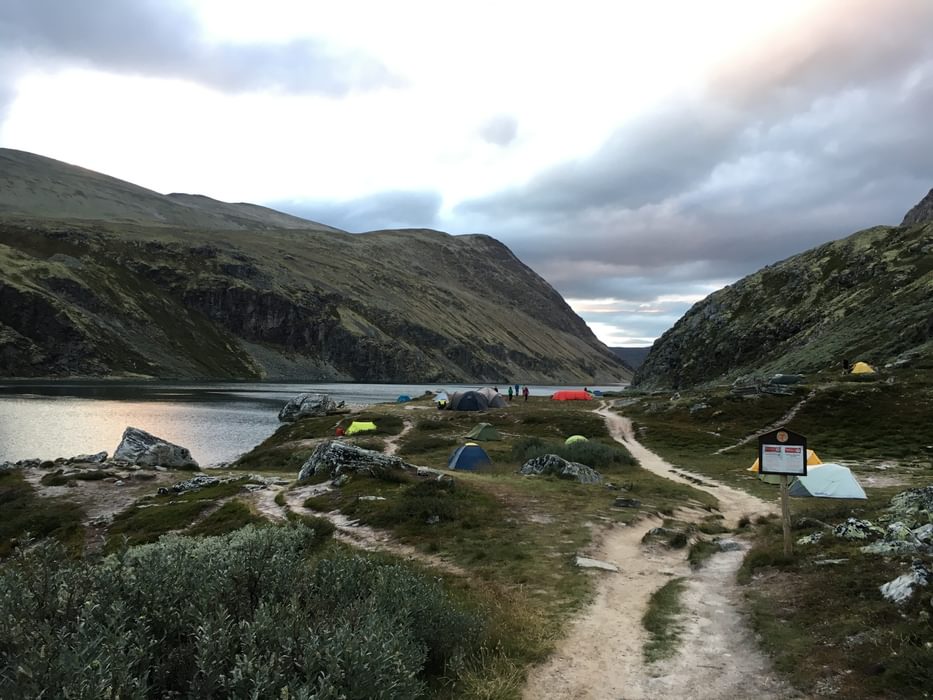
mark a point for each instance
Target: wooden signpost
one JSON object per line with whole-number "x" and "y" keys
{"x": 783, "y": 452}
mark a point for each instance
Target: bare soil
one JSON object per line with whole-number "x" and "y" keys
{"x": 602, "y": 656}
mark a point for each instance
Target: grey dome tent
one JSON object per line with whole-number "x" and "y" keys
{"x": 467, "y": 401}
{"x": 495, "y": 399}
{"x": 829, "y": 481}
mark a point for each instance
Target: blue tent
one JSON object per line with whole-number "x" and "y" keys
{"x": 403, "y": 398}
{"x": 469, "y": 457}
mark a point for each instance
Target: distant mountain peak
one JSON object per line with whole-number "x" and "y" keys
{"x": 921, "y": 213}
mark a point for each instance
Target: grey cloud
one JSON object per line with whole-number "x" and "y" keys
{"x": 384, "y": 210}
{"x": 162, "y": 38}
{"x": 712, "y": 194}
{"x": 500, "y": 130}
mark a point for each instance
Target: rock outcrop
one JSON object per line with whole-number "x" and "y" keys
{"x": 306, "y": 405}
{"x": 922, "y": 212}
{"x": 555, "y": 465}
{"x": 139, "y": 447}
{"x": 335, "y": 458}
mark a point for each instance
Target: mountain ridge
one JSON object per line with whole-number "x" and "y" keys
{"x": 113, "y": 296}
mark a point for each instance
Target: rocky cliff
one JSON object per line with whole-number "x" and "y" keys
{"x": 866, "y": 297}
{"x": 96, "y": 289}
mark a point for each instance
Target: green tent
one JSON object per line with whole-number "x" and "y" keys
{"x": 484, "y": 431}
{"x": 829, "y": 481}
{"x": 360, "y": 426}
{"x": 574, "y": 438}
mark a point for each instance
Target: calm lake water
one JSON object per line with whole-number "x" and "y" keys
{"x": 216, "y": 421}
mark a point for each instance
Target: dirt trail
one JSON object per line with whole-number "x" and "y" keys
{"x": 391, "y": 446}
{"x": 780, "y": 422}
{"x": 601, "y": 658}
{"x": 348, "y": 531}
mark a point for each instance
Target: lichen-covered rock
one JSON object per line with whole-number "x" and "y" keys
{"x": 139, "y": 447}
{"x": 193, "y": 484}
{"x": 95, "y": 458}
{"x": 812, "y": 538}
{"x": 914, "y": 506}
{"x": 855, "y": 529}
{"x": 562, "y": 469}
{"x": 306, "y": 405}
{"x": 901, "y": 589}
{"x": 334, "y": 457}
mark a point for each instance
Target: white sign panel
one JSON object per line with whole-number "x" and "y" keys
{"x": 783, "y": 459}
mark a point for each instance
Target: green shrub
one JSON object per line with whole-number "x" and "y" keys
{"x": 240, "y": 615}
{"x": 425, "y": 443}
{"x": 591, "y": 453}
{"x": 231, "y": 516}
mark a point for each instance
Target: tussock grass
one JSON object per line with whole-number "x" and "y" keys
{"x": 660, "y": 621}
{"x": 231, "y": 516}
{"x": 25, "y": 513}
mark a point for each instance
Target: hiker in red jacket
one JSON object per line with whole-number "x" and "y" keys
{"x": 525, "y": 393}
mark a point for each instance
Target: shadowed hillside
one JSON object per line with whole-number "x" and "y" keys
{"x": 866, "y": 297}
{"x": 118, "y": 280}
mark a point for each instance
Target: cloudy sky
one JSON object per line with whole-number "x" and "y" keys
{"x": 638, "y": 155}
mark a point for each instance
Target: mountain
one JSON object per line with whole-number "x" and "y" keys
{"x": 633, "y": 357}
{"x": 99, "y": 277}
{"x": 921, "y": 213}
{"x": 866, "y": 297}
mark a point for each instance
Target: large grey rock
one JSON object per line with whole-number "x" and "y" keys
{"x": 139, "y": 447}
{"x": 306, "y": 405}
{"x": 335, "y": 457}
{"x": 855, "y": 529}
{"x": 558, "y": 466}
{"x": 901, "y": 589}
{"x": 914, "y": 506}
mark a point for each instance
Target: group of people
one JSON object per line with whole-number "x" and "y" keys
{"x": 524, "y": 392}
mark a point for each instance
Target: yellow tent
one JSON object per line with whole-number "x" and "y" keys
{"x": 360, "y": 426}
{"x": 574, "y": 438}
{"x": 862, "y": 368}
{"x": 813, "y": 460}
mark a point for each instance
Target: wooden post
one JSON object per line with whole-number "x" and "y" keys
{"x": 785, "y": 518}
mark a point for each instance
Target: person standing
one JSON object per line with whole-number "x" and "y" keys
{"x": 525, "y": 393}
{"x": 510, "y": 393}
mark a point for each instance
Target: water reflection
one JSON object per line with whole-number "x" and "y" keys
{"x": 217, "y": 421}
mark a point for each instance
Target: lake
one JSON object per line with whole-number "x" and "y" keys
{"x": 217, "y": 421}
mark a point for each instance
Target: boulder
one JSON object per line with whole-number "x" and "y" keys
{"x": 334, "y": 457}
{"x": 193, "y": 484}
{"x": 305, "y": 405}
{"x": 96, "y": 458}
{"x": 914, "y": 506}
{"x": 139, "y": 447}
{"x": 812, "y": 538}
{"x": 562, "y": 469}
{"x": 855, "y": 529}
{"x": 901, "y": 589}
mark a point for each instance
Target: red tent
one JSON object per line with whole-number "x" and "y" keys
{"x": 571, "y": 396}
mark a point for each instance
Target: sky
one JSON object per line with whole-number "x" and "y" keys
{"x": 637, "y": 155}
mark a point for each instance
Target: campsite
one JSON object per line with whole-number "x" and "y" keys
{"x": 675, "y": 518}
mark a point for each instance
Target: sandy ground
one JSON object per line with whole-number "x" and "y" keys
{"x": 601, "y": 658}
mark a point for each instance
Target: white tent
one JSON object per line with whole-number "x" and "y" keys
{"x": 829, "y": 481}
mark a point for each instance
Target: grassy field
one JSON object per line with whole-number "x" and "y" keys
{"x": 819, "y": 613}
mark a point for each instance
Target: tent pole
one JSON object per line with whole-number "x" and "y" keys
{"x": 785, "y": 517}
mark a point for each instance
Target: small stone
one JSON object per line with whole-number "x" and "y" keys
{"x": 812, "y": 538}
{"x": 627, "y": 503}
{"x": 432, "y": 519}
{"x": 373, "y": 498}
{"x": 340, "y": 481}
{"x": 728, "y": 545}
{"x": 588, "y": 563}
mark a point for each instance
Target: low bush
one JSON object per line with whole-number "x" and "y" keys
{"x": 591, "y": 453}
{"x": 241, "y": 615}
{"x": 231, "y": 516}
{"x": 418, "y": 444}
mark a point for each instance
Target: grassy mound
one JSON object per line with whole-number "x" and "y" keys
{"x": 26, "y": 514}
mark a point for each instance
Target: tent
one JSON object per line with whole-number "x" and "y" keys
{"x": 467, "y": 401}
{"x": 862, "y": 368}
{"x": 596, "y": 392}
{"x": 574, "y": 438}
{"x": 360, "y": 426}
{"x": 813, "y": 460}
{"x": 469, "y": 457}
{"x": 572, "y": 396}
{"x": 403, "y": 398}
{"x": 484, "y": 431}
{"x": 495, "y": 399}
{"x": 829, "y": 481}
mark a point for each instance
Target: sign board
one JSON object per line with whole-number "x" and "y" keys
{"x": 782, "y": 451}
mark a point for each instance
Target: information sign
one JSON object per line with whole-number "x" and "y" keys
{"x": 782, "y": 452}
